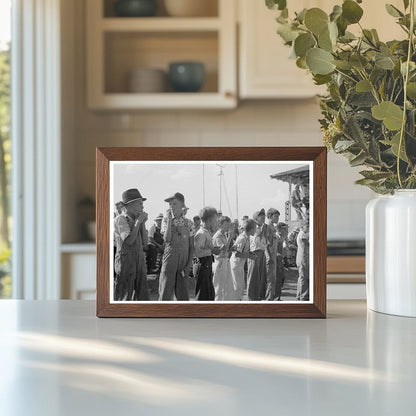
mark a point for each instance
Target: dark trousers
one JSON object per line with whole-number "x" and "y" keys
{"x": 203, "y": 274}
{"x": 152, "y": 257}
{"x": 257, "y": 277}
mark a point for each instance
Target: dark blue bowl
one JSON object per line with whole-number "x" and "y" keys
{"x": 135, "y": 8}
{"x": 186, "y": 76}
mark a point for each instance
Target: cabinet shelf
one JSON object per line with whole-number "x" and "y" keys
{"x": 198, "y": 100}
{"x": 116, "y": 46}
{"x": 160, "y": 24}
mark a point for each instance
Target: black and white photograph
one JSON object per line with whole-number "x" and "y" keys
{"x": 210, "y": 231}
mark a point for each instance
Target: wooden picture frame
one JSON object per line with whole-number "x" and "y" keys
{"x": 317, "y": 159}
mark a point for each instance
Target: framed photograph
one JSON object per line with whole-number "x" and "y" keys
{"x": 211, "y": 232}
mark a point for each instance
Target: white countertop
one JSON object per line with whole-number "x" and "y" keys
{"x": 57, "y": 358}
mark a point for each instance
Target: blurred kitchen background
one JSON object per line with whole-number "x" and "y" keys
{"x": 118, "y": 88}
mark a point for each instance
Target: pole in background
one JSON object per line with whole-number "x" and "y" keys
{"x": 236, "y": 189}
{"x": 203, "y": 185}
{"x": 221, "y": 174}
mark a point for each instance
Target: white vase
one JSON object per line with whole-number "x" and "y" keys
{"x": 391, "y": 253}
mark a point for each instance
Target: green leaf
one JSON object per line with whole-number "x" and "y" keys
{"x": 394, "y": 145}
{"x": 321, "y": 79}
{"x": 353, "y": 131}
{"x": 384, "y": 62}
{"x": 316, "y": 20}
{"x": 406, "y": 4}
{"x": 368, "y": 36}
{"x": 375, "y": 35}
{"x": 412, "y": 67}
{"x": 388, "y": 112}
{"x": 301, "y": 15}
{"x": 365, "y": 182}
{"x": 374, "y": 175}
{"x": 325, "y": 42}
{"x": 351, "y": 11}
{"x": 319, "y": 61}
{"x": 276, "y": 4}
{"x": 303, "y": 43}
{"x": 393, "y": 11}
{"x": 287, "y": 33}
{"x": 333, "y": 32}
{"x": 343, "y": 145}
{"x": 363, "y": 86}
{"x": 336, "y": 12}
{"x": 411, "y": 90}
{"x": 347, "y": 37}
{"x": 342, "y": 25}
{"x": 358, "y": 61}
{"x": 344, "y": 65}
{"x": 358, "y": 160}
{"x": 301, "y": 63}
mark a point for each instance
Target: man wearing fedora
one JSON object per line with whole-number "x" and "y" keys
{"x": 178, "y": 232}
{"x": 131, "y": 237}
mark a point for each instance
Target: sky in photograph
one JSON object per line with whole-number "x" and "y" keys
{"x": 156, "y": 182}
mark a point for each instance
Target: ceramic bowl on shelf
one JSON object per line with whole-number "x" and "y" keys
{"x": 191, "y": 8}
{"x": 186, "y": 76}
{"x": 135, "y": 8}
{"x": 147, "y": 81}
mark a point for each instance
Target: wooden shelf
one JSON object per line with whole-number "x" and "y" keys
{"x": 160, "y": 24}
{"x": 197, "y": 100}
{"x": 84, "y": 247}
{"x": 346, "y": 264}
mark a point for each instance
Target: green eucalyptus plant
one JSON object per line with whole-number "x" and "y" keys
{"x": 369, "y": 112}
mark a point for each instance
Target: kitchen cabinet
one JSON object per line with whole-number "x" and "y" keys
{"x": 118, "y": 45}
{"x": 265, "y": 70}
{"x": 78, "y": 264}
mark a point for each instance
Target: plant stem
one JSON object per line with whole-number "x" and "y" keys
{"x": 406, "y": 80}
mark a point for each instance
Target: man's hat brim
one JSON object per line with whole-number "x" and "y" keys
{"x": 136, "y": 199}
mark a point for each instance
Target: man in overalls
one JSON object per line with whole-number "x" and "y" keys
{"x": 131, "y": 237}
{"x": 178, "y": 233}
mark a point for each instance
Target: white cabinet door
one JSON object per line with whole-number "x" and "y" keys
{"x": 79, "y": 276}
{"x": 265, "y": 68}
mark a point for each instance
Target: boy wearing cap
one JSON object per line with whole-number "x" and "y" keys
{"x": 256, "y": 269}
{"x": 223, "y": 282}
{"x": 178, "y": 233}
{"x": 204, "y": 249}
{"x": 156, "y": 244}
{"x": 131, "y": 236}
{"x": 240, "y": 253}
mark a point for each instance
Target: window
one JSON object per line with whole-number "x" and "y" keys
{"x": 5, "y": 148}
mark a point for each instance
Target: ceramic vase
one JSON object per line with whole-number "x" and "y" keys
{"x": 391, "y": 253}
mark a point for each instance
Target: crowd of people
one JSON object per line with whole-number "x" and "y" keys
{"x": 228, "y": 260}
